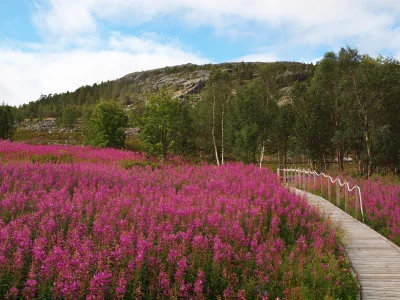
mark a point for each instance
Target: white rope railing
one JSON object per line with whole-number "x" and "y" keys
{"x": 298, "y": 174}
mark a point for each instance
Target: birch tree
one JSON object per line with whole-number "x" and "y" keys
{"x": 253, "y": 112}
{"x": 211, "y": 112}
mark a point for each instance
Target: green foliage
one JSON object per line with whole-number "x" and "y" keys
{"x": 54, "y": 159}
{"x": 6, "y": 122}
{"x": 24, "y": 135}
{"x": 106, "y": 126}
{"x": 68, "y": 118}
{"x": 166, "y": 126}
{"x": 133, "y": 144}
{"x": 344, "y": 108}
{"x": 252, "y": 115}
{"x": 284, "y": 130}
{"x": 210, "y": 114}
{"x": 129, "y": 164}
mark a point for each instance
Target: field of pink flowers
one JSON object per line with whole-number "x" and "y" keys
{"x": 10, "y": 151}
{"x": 98, "y": 231}
{"x": 381, "y": 200}
{"x": 381, "y": 203}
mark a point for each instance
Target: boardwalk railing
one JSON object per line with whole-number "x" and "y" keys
{"x": 304, "y": 179}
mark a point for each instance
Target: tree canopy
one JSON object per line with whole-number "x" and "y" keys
{"x": 6, "y": 122}
{"x": 107, "y": 125}
{"x": 166, "y": 126}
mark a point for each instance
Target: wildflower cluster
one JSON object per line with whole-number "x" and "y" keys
{"x": 381, "y": 201}
{"x": 10, "y": 151}
{"x": 94, "y": 231}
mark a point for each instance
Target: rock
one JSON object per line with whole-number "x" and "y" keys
{"x": 132, "y": 131}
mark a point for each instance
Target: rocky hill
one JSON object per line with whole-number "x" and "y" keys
{"x": 133, "y": 90}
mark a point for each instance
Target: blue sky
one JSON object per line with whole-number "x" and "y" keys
{"x": 51, "y": 46}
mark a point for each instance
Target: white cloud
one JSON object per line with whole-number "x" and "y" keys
{"x": 258, "y": 57}
{"x": 371, "y": 25}
{"x": 55, "y": 17}
{"x": 64, "y": 16}
{"x": 24, "y": 76}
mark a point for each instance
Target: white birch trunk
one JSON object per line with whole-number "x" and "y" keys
{"x": 213, "y": 132}
{"x": 262, "y": 154}
{"x": 222, "y": 134}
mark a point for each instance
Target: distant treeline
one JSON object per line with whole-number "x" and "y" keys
{"x": 128, "y": 91}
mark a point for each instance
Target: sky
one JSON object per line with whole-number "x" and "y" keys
{"x": 54, "y": 46}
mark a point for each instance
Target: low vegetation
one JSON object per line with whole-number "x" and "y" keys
{"x": 89, "y": 228}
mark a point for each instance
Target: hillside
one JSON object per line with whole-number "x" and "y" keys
{"x": 133, "y": 89}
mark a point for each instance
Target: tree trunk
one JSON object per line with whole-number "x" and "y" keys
{"x": 213, "y": 133}
{"x": 285, "y": 155}
{"x": 164, "y": 143}
{"x": 368, "y": 144}
{"x": 366, "y": 130}
{"x": 262, "y": 154}
{"x": 222, "y": 134}
{"x": 340, "y": 158}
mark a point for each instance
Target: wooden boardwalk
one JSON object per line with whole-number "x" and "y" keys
{"x": 375, "y": 260}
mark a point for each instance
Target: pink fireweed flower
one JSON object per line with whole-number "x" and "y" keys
{"x": 29, "y": 290}
{"x": 301, "y": 244}
{"x": 199, "y": 285}
{"x": 120, "y": 289}
{"x": 164, "y": 284}
{"x": 89, "y": 230}
{"x": 12, "y": 293}
{"x": 241, "y": 295}
{"x": 99, "y": 284}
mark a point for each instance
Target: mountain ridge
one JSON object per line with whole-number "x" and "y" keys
{"x": 134, "y": 88}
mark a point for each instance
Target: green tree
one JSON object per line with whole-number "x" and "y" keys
{"x": 166, "y": 126}
{"x": 252, "y": 115}
{"x": 368, "y": 84}
{"x": 106, "y": 126}
{"x": 68, "y": 117}
{"x": 283, "y": 129}
{"x": 312, "y": 128}
{"x": 211, "y": 114}
{"x": 390, "y": 152}
{"x": 6, "y": 122}
{"x": 326, "y": 87}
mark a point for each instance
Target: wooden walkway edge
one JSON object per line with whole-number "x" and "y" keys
{"x": 375, "y": 260}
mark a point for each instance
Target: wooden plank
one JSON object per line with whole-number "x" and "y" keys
{"x": 374, "y": 259}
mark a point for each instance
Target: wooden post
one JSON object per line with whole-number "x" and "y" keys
{"x": 357, "y": 195}
{"x": 322, "y": 185}
{"x": 299, "y": 179}
{"x": 284, "y": 176}
{"x": 329, "y": 190}
{"x": 337, "y": 193}
{"x": 315, "y": 181}
{"x": 304, "y": 181}
{"x": 346, "y": 198}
